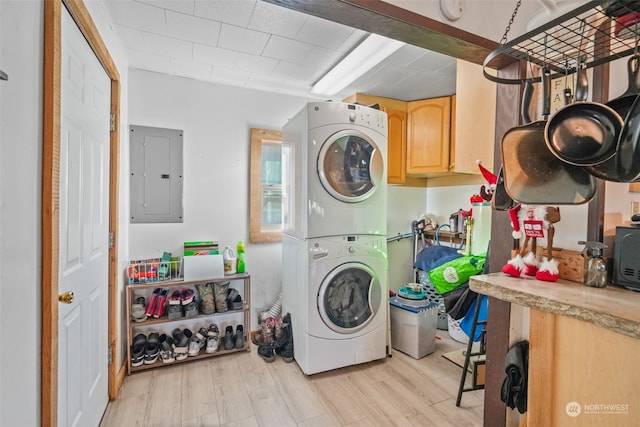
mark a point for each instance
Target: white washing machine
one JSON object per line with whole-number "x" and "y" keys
{"x": 336, "y": 290}
{"x": 334, "y": 171}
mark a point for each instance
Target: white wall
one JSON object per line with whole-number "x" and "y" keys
{"x": 21, "y": 57}
{"x": 21, "y": 41}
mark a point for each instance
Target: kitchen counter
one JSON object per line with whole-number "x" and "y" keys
{"x": 583, "y": 349}
{"x": 612, "y": 308}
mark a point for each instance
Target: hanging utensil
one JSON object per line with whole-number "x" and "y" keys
{"x": 532, "y": 174}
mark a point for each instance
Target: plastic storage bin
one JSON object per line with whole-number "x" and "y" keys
{"x": 413, "y": 329}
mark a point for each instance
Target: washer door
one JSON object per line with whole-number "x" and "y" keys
{"x": 350, "y": 166}
{"x": 349, "y": 297}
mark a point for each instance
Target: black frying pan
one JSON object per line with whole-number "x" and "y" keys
{"x": 609, "y": 170}
{"x": 532, "y": 173}
{"x": 501, "y": 201}
{"x": 586, "y": 133}
{"x": 628, "y": 153}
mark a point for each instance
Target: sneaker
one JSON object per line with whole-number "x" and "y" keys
{"x": 153, "y": 300}
{"x": 213, "y": 339}
{"x": 239, "y": 341}
{"x": 138, "y": 312}
{"x": 140, "y": 339}
{"x": 166, "y": 349}
{"x": 160, "y": 304}
{"x": 186, "y": 295}
{"x": 137, "y": 355}
{"x": 196, "y": 343}
{"x": 228, "y": 338}
{"x": 207, "y": 304}
{"x": 285, "y": 344}
{"x": 191, "y": 309}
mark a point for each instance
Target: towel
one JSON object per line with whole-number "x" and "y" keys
{"x": 514, "y": 386}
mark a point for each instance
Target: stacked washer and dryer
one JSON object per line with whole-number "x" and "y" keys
{"x": 335, "y": 268}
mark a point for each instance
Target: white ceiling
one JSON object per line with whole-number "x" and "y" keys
{"x": 253, "y": 44}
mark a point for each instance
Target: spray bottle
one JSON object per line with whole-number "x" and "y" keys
{"x": 240, "y": 265}
{"x": 595, "y": 268}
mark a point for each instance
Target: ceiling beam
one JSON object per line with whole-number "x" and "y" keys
{"x": 377, "y": 16}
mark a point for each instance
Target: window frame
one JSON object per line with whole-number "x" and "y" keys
{"x": 256, "y": 233}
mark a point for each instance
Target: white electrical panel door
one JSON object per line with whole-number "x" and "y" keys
{"x": 156, "y": 174}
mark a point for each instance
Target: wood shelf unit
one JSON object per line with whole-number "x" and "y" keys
{"x": 164, "y": 325}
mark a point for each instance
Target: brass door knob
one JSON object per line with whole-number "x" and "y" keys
{"x": 66, "y": 298}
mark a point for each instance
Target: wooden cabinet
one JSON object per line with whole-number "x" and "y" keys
{"x": 428, "y": 136}
{"x": 473, "y": 119}
{"x": 163, "y": 325}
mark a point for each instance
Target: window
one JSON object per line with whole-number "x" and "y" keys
{"x": 265, "y": 186}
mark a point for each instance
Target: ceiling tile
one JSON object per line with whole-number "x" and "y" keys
{"x": 192, "y": 28}
{"x": 236, "y": 12}
{"x": 167, "y": 46}
{"x": 214, "y": 55}
{"x": 287, "y": 49}
{"x": 288, "y": 70}
{"x": 130, "y": 37}
{"x": 147, "y": 61}
{"x": 191, "y": 69}
{"x": 229, "y": 76}
{"x": 137, "y": 15}
{"x": 241, "y": 39}
{"x": 182, "y": 6}
{"x": 255, "y": 63}
{"x": 322, "y": 58}
{"x": 323, "y": 33}
{"x": 277, "y": 20}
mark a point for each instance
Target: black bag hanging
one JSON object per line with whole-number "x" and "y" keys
{"x": 514, "y": 386}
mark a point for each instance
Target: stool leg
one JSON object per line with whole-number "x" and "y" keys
{"x": 467, "y": 355}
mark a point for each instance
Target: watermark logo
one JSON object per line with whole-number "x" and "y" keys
{"x": 573, "y": 409}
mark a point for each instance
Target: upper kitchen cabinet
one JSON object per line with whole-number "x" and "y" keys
{"x": 397, "y": 139}
{"x": 429, "y": 136}
{"x": 475, "y": 119}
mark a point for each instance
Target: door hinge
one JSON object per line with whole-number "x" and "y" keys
{"x": 111, "y": 240}
{"x": 110, "y": 355}
{"x": 112, "y": 122}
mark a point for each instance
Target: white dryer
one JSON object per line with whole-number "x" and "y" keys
{"x": 336, "y": 290}
{"x": 334, "y": 172}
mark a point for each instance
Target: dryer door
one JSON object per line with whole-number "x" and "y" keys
{"x": 349, "y": 297}
{"x": 350, "y": 166}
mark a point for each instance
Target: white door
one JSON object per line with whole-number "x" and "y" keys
{"x": 84, "y": 219}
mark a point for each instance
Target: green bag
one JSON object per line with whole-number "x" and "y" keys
{"x": 452, "y": 274}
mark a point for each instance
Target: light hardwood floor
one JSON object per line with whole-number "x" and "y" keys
{"x": 241, "y": 389}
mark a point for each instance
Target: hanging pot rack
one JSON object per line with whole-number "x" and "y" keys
{"x": 558, "y": 43}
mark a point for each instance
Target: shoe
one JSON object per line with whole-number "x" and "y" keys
{"x": 153, "y": 300}
{"x": 239, "y": 341}
{"x": 160, "y": 304}
{"x": 151, "y": 353}
{"x": 514, "y": 266}
{"x": 138, "y": 312}
{"x": 207, "y": 303}
{"x": 285, "y": 347}
{"x": 266, "y": 352}
{"x": 234, "y": 300}
{"x": 228, "y": 338}
{"x": 166, "y": 349}
{"x": 197, "y": 342}
{"x": 180, "y": 344}
{"x": 220, "y": 290}
{"x": 548, "y": 271}
{"x": 174, "y": 311}
{"x": 530, "y": 264}
{"x": 186, "y": 295}
{"x": 213, "y": 339}
{"x": 140, "y": 339}
{"x": 191, "y": 309}
{"x": 137, "y": 355}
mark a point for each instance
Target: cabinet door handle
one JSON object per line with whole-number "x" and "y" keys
{"x": 452, "y": 165}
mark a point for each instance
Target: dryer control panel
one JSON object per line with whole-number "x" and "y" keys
{"x": 336, "y": 113}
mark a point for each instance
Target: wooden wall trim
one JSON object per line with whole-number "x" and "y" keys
{"x": 50, "y": 219}
{"x": 50, "y": 198}
{"x": 541, "y": 353}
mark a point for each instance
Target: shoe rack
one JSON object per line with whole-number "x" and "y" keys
{"x": 162, "y": 324}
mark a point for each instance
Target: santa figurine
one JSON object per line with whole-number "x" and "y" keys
{"x": 533, "y": 222}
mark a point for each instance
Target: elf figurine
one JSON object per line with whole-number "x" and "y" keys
{"x": 533, "y": 222}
